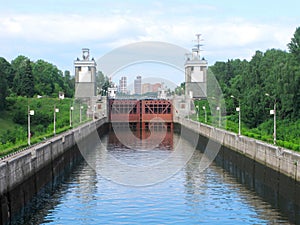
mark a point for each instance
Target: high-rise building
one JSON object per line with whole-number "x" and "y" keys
{"x": 138, "y": 85}
{"x": 123, "y": 85}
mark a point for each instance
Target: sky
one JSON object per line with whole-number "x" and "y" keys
{"x": 57, "y": 30}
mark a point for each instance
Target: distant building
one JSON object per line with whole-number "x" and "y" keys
{"x": 123, "y": 85}
{"x": 162, "y": 94}
{"x": 61, "y": 95}
{"x": 138, "y": 85}
{"x": 112, "y": 91}
{"x": 155, "y": 87}
{"x": 146, "y": 88}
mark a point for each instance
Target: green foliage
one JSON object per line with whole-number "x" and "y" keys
{"x": 294, "y": 45}
{"x": 7, "y": 69}
{"x": 179, "y": 90}
{"x": 288, "y": 135}
{"x": 23, "y": 80}
{"x": 275, "y": 72}
{"x": 102, "y": 83}
{"x": 3, "y": 90}
{"x": 6, "y": 78}
{"x": 10, "y": 147}
{"x": 41, "y": 121}
{"x": 200, "y": 111}
{"x": 69, "y": 84}
{"x": 49, "y": 80}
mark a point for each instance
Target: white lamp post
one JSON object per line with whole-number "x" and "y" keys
{"x": 71, "y": 110}
{"x": 205, "y": 114}
{"x": 56, "y": 110}
{"x": 219, "y": 109}
{"x": 30, "y": 113}
{"x": 238, "y": 109}
{"x": 94, "y": 112}
{"x": 80, "y": 114}
{"x": 197, "y": 108}
{"x": 273, "y": 112}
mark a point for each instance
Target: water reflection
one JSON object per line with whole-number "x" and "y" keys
{"x": 221, "y": 197}
{"x": 139, "y": 166}
{"x": 189, "y": 197}
{"x": 143, "y": 139}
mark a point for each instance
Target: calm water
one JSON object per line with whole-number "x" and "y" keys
{"x": 188, "y": 197}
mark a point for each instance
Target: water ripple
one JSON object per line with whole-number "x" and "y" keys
{"x": 210, "y": 197}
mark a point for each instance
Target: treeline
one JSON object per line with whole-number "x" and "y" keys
{"x": 275, "y": 72}
{"x": 23, "y": 77}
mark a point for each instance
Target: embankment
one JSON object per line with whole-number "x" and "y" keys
{"x": 277, "y": 158}
{"x": 272, "y": 172}
{"x": 24, "y": 174}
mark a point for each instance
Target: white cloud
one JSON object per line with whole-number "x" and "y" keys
{"x": 10, "y": 26}
{"x": 230, "y": 38}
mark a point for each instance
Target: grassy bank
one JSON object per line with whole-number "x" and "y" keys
{"x": 288, "y": 132}
{"x": 14, "y": 121}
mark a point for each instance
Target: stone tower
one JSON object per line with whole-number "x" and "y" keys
{"x": 195, "y": 73}
{"x": 85, "y": 75}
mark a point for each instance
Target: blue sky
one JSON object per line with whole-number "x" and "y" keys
{"x": 57, "y": 30}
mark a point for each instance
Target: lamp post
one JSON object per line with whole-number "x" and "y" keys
{"x": 219, "y": 109}
{"x": 238, "y": 109}
{"x": 197, "y": 108}
{"x": 71, "y": 110}
{"x": 273, "y": 112}
{"x": 94, "y": 112}
{"x": 30, "y": 113}
{"x": 205, "y": 114}
{"x": 56, "y": 110}
{"x": 80, "y": 114}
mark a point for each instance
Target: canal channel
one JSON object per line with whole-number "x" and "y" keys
{"x": 189, "y": 196}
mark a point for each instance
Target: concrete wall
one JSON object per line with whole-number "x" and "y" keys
{"x": 270, "y": 171}
{"x": 277, "y": 158}
{"x": 23, "y": 174}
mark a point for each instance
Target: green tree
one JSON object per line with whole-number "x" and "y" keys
{"x": 69, "y": 84}
{"x": 294, "y": 45}
{"x": 48, "y": 78}
{"x": 179, "y": 90}
{"x": 6, "y": 68}
{"x": 23, "y": 80}
{"x": 6, "y": 77}
{"x": 294, "y": 72}
{"x": 3, "y": 90}
{"x": 275, "y": 72}
{"x": 102, "y": 82}
{"x": 42, "y": 73}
